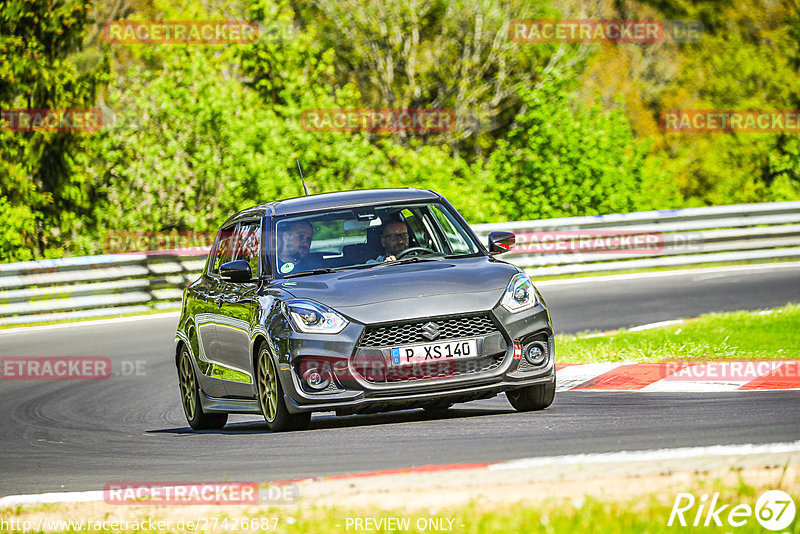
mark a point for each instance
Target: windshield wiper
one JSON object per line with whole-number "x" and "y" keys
{"x": 312, "y": 271}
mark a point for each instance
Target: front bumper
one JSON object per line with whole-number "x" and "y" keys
{"x": 352, "y": 392}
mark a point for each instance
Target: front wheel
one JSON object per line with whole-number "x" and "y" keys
{"x": 190, "y": 397}
{"x": 270, "y": 397}
{"x": 532, "y": 398}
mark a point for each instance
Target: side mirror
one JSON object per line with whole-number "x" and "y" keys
{"x": 236, "y": 271}
{"x": 500, "y": 242}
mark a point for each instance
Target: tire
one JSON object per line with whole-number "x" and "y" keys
{"x": 190, "y": 397}
{"x": 532, "y": 398}
{"x": 270, "y": 396}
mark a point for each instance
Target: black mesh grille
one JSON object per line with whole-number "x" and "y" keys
{"x": 411, "y": 332}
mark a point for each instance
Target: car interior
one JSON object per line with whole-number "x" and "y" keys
{"x": 341, "y": 242}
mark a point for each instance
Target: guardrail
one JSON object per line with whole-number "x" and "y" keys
{"x": 93, "y": 286}
{"x": 719, "y": 234}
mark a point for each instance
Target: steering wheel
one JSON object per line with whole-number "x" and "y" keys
{"x": 411, "y": 250}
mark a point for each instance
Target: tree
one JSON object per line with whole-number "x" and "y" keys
{"x": 560, "y": 161}
{"x": 42, "y": 200}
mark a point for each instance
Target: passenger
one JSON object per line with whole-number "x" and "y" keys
{"x": 394, "y": 239}
{"x": 294, "y": 242}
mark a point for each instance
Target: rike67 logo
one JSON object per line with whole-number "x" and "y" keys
{"x": 775, "y": 510}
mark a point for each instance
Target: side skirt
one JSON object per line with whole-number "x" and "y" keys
{"x": 215, "y": 405}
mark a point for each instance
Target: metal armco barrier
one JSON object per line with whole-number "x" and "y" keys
{"x": 95, "y": 286}
{"x": 603, "y": 243}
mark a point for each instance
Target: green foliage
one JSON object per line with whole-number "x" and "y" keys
{"x": 558, "y": 161}
{"x": 748, "y": 59}
{"x": 43, "y": 204}
{"x": 452, "y": 54}
{"x": 194, "y": 133}
{"x": 186, "y": 140}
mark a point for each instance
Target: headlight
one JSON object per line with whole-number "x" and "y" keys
{"x": 519, "y": 294}
{"x": 314, "y": 318}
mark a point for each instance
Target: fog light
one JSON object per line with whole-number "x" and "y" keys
{"x": 536, "y": 353}
{"x": 317, "y": 379}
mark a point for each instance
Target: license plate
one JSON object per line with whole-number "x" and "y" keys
{"x": 435, "y": 352}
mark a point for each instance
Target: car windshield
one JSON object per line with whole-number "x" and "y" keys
{"x": 363, "y": 237}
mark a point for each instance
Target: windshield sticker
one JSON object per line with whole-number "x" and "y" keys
{"x": 287, "y": 267}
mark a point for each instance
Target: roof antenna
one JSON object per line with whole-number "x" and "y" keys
{"x": 301, "y": 176}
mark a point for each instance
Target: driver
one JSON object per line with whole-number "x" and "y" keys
{"x": 394, "y": 239}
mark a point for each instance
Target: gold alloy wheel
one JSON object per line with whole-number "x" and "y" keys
{"x": 188, "y": 386}
{"x": 268, "y": 386}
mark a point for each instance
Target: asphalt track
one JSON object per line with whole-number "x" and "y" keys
{"x": 70, "y": 436}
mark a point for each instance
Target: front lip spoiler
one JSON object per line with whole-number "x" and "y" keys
{"x": 400, "y": 398}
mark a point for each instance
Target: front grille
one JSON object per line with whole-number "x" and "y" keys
{"x": 411, "y": 332}
{"x": 434, "y": 370}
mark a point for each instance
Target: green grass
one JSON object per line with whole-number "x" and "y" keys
{"x": 646, "y": 513}
{"x": 766, "y": 335}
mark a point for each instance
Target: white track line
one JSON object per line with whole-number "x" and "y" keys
{"x": 698, "y": 386}
{"x": 649, "y": 455}
{"x": 52, "y": 498}
{"x": 23, "y": 329}
{"x": 657, "y": 274}
{"x": 650, "y": 326}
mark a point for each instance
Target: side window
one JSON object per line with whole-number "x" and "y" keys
{"x": 421, "y": 238}
{"x": 453, "y": 235}
{"x": 224, "y": 248}
{"x": 247, "y": 241}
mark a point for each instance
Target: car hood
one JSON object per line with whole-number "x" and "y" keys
{"x": 402, "y": 292}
